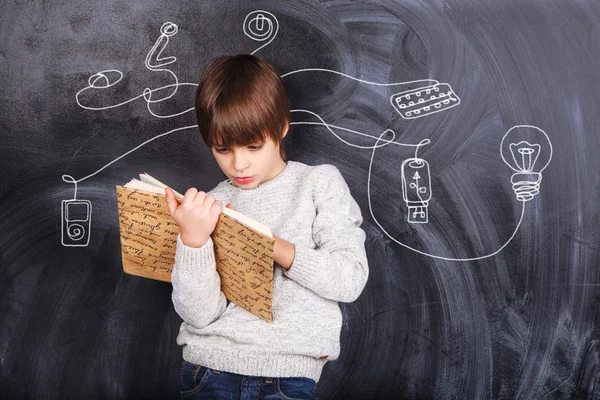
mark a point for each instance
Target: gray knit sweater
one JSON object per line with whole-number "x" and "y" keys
{"x": 311, "y": 207}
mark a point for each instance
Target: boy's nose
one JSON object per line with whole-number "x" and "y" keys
{"x": 240, "y": 162}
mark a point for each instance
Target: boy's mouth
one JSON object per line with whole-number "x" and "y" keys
{"x": 243, "y": 180}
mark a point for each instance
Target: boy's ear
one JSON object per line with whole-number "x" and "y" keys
{"x": 286, "y": 130}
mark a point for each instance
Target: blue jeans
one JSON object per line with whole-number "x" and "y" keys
{"x": 198, "y": 382}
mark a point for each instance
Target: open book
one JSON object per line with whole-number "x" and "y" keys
{"x": 243, "y": 246}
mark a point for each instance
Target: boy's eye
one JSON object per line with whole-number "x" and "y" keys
{"x": 224, "y": 149}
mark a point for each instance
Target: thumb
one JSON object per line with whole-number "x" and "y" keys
{"x": 171, "y": 201}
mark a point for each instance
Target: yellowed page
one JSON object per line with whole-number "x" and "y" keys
{"x": 148, "y": 234}
{"x": 245, "y": 264}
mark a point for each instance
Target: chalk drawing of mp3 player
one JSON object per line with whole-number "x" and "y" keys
{"x": 76, "y": 222}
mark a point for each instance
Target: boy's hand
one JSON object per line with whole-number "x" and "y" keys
{"x": 284, "y": 252}
{"x": 197, "y": 215}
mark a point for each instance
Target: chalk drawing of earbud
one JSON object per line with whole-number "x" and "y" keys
{"x": 100, "y": 81}
{"x": 261, "y": 25}
{"x": 105, "y": 79}
{"x": 153, "y": 58}
{"x": 154, "y": 61}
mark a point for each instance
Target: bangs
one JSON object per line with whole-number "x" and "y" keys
{"x": 236, "y": 123}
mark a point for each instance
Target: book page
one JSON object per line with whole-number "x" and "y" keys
{"x": 245, "y": 264}
{"x": 252, "y": 223}
{"x": 148, "y": 234}
{"x": 156, "y": 183}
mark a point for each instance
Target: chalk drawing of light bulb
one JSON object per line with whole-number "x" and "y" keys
{"x": 261, "y": 25}
{"x": 527, "y": 150}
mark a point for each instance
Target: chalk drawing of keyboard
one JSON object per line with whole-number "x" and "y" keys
{"x": 423, "y": 101}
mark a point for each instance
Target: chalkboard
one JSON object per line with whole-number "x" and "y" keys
{"x": 480, "y": 202}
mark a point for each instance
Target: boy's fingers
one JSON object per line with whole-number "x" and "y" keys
{"x": 229, "y": 205}
{"x": 171, "y": 202}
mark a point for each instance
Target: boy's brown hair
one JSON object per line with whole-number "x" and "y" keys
{"x": 240, "y": 101}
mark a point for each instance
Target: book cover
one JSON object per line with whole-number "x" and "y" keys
{"x": 243, "y": 247}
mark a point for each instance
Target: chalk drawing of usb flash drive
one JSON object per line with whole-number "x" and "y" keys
{"x": 416, "y": 189}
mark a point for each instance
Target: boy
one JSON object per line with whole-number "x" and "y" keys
{"x": 320, "y": 259}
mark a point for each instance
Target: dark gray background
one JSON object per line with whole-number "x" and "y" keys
{"x": 522, "y": 324}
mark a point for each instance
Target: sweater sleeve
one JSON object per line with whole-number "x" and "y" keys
{"x": 197, "y": 295}
{"x": 337, "y": 269}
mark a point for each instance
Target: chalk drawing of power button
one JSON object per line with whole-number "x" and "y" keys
{"x": 76, "y": 222}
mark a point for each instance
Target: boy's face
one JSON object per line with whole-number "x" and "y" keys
{"x": 259, "y": 161}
